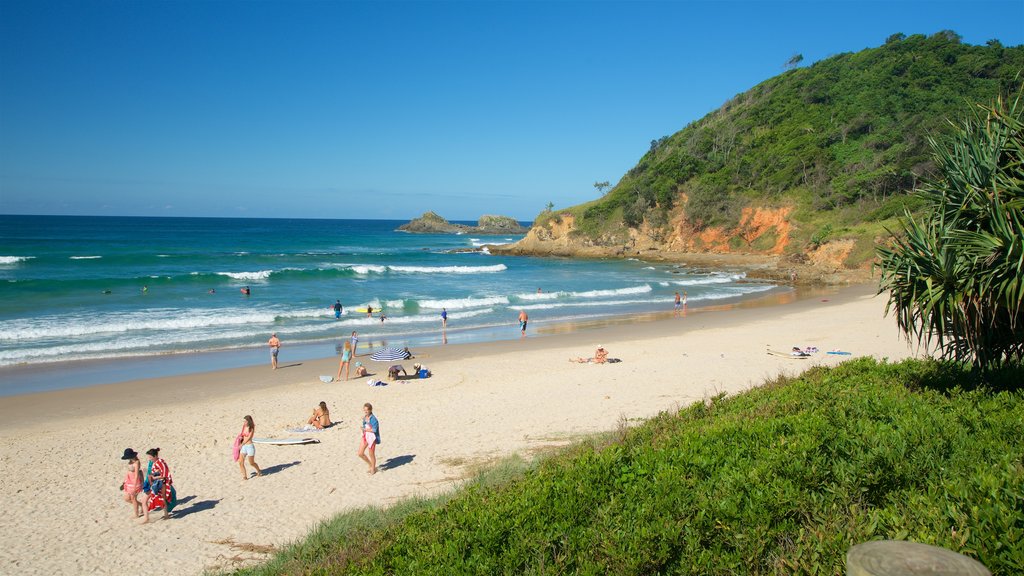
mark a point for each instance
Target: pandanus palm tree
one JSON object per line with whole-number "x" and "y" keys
{"x": 955, "y": 276}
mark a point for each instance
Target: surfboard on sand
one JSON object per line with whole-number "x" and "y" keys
{"x": 788, "y": 355}
{"x": 285, "y": 441}
{"x": 326, "y": 379}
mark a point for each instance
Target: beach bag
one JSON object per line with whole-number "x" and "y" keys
{"x": 424, "y": 373}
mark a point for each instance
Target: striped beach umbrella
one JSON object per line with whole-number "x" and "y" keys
{"x": 385, "y": 354}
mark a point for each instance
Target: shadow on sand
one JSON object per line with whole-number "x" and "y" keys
{"x": 392, "y": 463}
{"x": 197, "y": 507}
{"x": 279, "y": 467}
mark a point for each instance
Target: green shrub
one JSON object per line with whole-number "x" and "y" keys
{"x": 782, "y": 479}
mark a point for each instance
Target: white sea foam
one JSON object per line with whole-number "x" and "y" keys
{"x": 366, "y": 269}
{"x": 648, "y": 267}
{"x": 643, "y": 288}
{"x": 84, "y": 257}
{"x": 481, "y": 244}
{"x": 14, "y": 259}
{"x": 394, "y": 304}
{"x": 261, "y": 275}
{"x": 463, "y": 303}
{"x": 51, "y": 327}
{"x": 542, "y": 295}
{"x": 448, "y": 269}
{"x": 715, "y": 279}
{"x": 554, "y": 305}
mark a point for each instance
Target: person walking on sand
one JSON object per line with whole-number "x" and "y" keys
{"x": 337, "y": 309}
{"x": 523, "y": 319}
{"x": 355, "y": 342}
{"x": 444, "y": 317}
{"x": 275, "y": 347}
{"x": 132, "y": 485}
{"x": 159, "y": 486}
{"x": 346, "y": 360}
{"x": 370, "y": 438}
{"x": 248, "y": 448}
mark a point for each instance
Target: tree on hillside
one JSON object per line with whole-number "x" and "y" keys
{"x": 794, "y": 61}
{"x": 601, "y": 186}
{"x": 550, "y": 206}
{"x": 956, "y": 277}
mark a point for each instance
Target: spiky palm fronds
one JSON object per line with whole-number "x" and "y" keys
{"x": 957, "y": 277}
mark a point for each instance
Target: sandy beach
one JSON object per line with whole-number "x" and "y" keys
{"x": 60, "y": 451}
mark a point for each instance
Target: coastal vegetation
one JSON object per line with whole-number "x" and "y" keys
{"x": 784, "y": 478}
{"x": 956, "y": 275}
{"x": 832, "y": 151}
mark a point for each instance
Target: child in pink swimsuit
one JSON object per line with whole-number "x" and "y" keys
{"x": 132, "y": 485}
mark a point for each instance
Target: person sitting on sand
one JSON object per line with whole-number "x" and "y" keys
{"x": 321, "y": 417}
{"x": 394, "y": 370}
{"x": 600, "y": 357}
{"x": 360, "y": 370}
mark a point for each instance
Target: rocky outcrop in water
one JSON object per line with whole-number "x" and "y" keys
{"x": 432, "y": 223}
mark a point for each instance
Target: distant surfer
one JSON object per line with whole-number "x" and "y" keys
{"x": 275, "y": 347}
{"x": 145, "y": 289}
{"x": 108, "y": 292}
{"x": 337, "y": 309}
{"x": 246, "y": 291}
{"x": 369, "y": 311}
{"x": 523, "y": 319}
{"x": 444, "y": 317}
{"x": 213, "y": 290}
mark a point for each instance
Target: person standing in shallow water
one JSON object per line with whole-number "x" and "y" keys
{"x": 275, "y": 347}
{"x": 444, "y": 317}
{"x": 337, "y": 309}
{"x": 523, "y": 319}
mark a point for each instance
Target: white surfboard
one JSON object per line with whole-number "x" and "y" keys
{"x": 285, "y": 441}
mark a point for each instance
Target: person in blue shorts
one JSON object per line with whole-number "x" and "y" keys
{"x": 337, "y": 309}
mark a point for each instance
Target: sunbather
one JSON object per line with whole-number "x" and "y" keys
{"x": 600, "y": 357}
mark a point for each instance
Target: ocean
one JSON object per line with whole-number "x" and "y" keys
{"x": 86, "y": 288}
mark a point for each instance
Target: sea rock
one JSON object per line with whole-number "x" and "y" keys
{"x": 432, "y": 223}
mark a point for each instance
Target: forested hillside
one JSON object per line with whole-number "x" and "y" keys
{"x": 828, "y": 151}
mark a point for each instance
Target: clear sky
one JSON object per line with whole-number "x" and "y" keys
{"x": 389, "y": 109}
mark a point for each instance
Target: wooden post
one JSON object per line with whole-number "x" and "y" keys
{"x": 901, "y": 558}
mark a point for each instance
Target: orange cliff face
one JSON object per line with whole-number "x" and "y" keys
{"x": 771, "y": 224}
{"x": 764, "y": 231}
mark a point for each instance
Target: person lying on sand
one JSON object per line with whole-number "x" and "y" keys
{"x": 600, "y": 357}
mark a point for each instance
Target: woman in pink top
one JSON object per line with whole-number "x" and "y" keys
{"x": 132, "y": 484}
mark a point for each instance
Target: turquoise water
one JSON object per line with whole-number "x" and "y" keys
{"x": 77, "y": 288}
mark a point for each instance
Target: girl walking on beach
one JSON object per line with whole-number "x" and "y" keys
{"x": 248, "y": 448}
{"x": 132, "y": 485}
{"x": 346, "y": 358}
{"x": 370, "y": 438}
{"x": 159, "y": 486}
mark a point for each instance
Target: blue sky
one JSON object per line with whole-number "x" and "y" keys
{"x": 389, "y": 109}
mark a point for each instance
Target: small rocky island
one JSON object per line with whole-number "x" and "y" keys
{"x": 431, "y": 223}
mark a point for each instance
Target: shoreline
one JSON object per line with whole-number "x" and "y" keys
{"x": 484, "y": 401}
{"x": 51, "y": 376}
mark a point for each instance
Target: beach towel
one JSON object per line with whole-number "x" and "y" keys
{"x": 387, "y": 354}
{"x": 236, "y": 450}
{"x": 309, "y": 428}
{"x": 372, "y": 382}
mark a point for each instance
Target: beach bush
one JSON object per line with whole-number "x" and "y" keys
{"x": 782, "y": 479}
{"x": 956, "y": 276}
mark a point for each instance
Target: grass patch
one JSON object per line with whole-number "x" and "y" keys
{"x": 781, "y": 479}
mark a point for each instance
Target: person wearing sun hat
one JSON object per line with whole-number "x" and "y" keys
{"x": 132, "y": 484}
